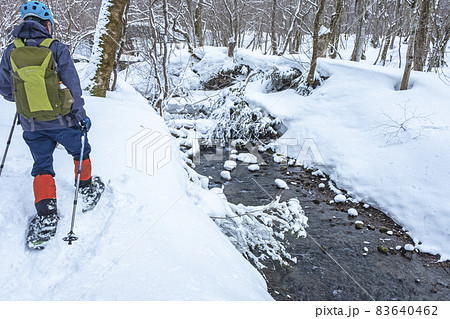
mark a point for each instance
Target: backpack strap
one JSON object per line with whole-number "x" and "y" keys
{"x": 47, "y": 42}
{"x": 19, "y": 43}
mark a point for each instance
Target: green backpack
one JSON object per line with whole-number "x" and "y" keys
{"x": 36, "y": 83}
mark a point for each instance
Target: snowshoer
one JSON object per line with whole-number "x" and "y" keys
{"x": 33, "y": 70}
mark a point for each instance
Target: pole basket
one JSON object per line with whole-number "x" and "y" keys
{"x": 70, "y": 238}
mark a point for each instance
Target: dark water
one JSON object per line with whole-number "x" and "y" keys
{"x": 332, "y": 263}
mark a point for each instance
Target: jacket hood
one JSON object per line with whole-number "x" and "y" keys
{"x": 30, "y": 30}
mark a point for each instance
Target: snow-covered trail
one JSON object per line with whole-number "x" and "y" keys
{"x": 146, "y": 239}
{"x": 349, "y": 119}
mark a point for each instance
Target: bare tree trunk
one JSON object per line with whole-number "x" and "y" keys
{"x": 335, "y": 27}
{"x": 121, "y": 48}
{"x": 154, "y": 58}
{"x": 397, "y": 24}
{"x": 441, "y": 38}
{"x": 317, "y": 23}
{"x": 421, "y": 44}
{"x": 291, "y": 29}
{"x": 165, "y": 43}
{"x": 109, "y": 31}
{"x": 273, "y": 34}
{"x": 186, "y": 37}
{"x": 231, "y": 46}
{"x": 198, "y": 24}
{"x": 386, "y": 46}
{"x": 360, "y": 42}
{"x": 411, "y": 40}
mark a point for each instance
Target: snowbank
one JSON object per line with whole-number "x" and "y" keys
{"x": 146, "y": 240}
{"x": 387, "y": 147}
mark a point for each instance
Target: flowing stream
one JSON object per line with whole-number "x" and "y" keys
{"x": 336, "y": 261}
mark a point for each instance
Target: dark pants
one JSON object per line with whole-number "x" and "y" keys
{"x": 43, "y": 143}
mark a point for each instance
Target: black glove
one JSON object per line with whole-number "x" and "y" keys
{"x": 86, "y": 124}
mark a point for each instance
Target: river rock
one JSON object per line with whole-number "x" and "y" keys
{"x": 229, "y": 165}
{"x": 382, "y": 249}
{"x": 278, "y": 158}
{"x": 352, "y": 212}
{"x": 253, "y": 167}
{"x": 281, "y": 184}
{"x": 225, "y": 175}
{"x": 247, "y": 158}
{"x": 340, "y": 198}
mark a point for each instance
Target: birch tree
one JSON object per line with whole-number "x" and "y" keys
{"x": 360, "y": 42}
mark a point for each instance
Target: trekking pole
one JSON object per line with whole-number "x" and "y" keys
{"x": 71, "y": 235}
{"x": 8, "y": 142}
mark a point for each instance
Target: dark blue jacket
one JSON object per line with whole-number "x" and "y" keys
{"x": 66, "y": 70}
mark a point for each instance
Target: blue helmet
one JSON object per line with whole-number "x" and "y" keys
{"x": 37, "y": 9}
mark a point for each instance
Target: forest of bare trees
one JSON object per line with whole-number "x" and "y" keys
{"x": 312, "y": 27}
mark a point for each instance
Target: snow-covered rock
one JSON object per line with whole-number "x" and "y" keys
{"x": 278, "y": 158}
{"x": 318, "y": 173}
{"x": 253, "y": 167}
{"x": 352, "y": 212}
{"x": 247, "y": 158}
{"x": 340, "y": 198}
{"x": 225, "y": 175}
{"x": 281, "y": 184}
{"x": 359, "y": 224}
{"x": 229, "y": 165}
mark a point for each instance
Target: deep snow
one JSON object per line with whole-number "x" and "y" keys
{"x": 151, "y": 238}
{"x": 353, "y": 119}
{"x": 148, "y": 238}
{"x": 386, "y": 147}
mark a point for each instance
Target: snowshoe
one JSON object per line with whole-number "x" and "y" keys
{"x": 41, "y": 230}
{"x": 90, "y": 195}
